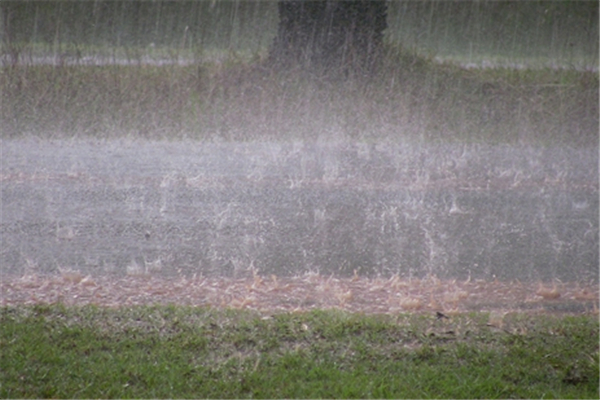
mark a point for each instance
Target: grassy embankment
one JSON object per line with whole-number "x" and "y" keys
{"x": 158, "y": 352}
{"x": 411, "y": 97}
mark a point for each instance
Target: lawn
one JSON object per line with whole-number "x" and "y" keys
{"x": 188, "y": 352}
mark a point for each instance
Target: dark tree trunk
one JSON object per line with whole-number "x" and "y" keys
{"x": 330, "y": 36}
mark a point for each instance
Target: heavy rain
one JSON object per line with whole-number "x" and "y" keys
{"x": 156, "y": 149}
{"x": 299, "y": 199}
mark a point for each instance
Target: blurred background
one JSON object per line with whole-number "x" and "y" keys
{"x": 475, "y": 33}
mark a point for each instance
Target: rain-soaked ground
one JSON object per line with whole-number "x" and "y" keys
{"x": 307, "y": 292}
{"x": 361, "y": 226}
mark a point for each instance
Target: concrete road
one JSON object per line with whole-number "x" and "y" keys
{"x": 222, "y": 209}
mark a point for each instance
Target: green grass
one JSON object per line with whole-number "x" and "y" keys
{"x": 158, "y": 352}
{"x": 240, "y": 98}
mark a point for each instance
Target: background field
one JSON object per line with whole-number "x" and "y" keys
{"x": 534, "y": 33}
{"x": 195, "y": 70}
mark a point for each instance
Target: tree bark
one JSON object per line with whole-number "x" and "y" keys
{"x": 330, "y": 36}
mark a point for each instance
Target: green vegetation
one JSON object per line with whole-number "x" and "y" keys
{"x": 411, "y": 97}
{"x": 57, "y": 351}
{"x": 531, "y": 33}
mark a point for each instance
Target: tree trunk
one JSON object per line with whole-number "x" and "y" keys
{"x": 330, "y": 36}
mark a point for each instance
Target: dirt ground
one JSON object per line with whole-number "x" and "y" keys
{"x": 272, "y": 294}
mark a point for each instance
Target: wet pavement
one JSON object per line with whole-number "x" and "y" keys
{"x": 226, "y": 209}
